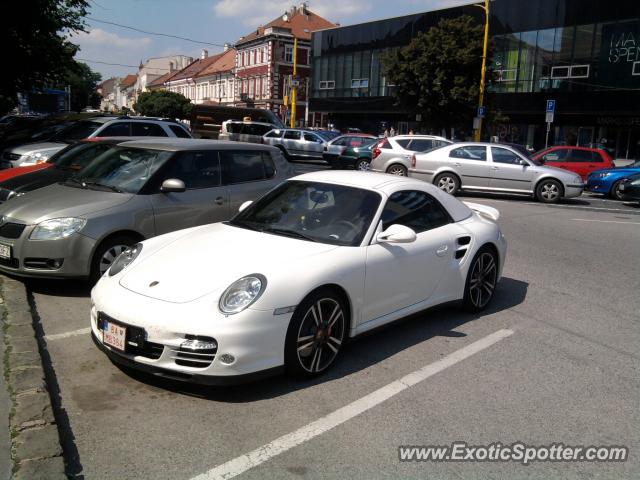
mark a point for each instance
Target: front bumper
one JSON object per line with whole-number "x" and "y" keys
{"x": 253, "y": 338}
{"x": 598, "y": 186}
{"x": 573, "y": 190}
{"x": 40, "y": 258}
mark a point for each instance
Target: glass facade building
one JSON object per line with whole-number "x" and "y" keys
{"x": 585, "y": 54}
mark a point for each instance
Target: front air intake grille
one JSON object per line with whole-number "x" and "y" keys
{"x": 190, "y": 358}
{"x": 11, "y": 230}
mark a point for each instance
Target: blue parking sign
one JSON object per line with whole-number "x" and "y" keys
{"x": 551, "y": 106}
{"x": 482, "y": 111}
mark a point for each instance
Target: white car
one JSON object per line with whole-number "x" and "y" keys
{"x": 321, "y": 258}
{"x": 393, "y": 154}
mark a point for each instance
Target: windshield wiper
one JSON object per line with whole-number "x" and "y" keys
{"x": 113, "y": 188}
{"x": 74, "y": 182}
{"x": 288, "y": 233}
{"x": 245, "y": 224}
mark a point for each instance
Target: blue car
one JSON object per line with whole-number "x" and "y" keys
{"x": 608, "y": 180}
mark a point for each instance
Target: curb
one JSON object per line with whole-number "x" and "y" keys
{"x": 36, "y": 450}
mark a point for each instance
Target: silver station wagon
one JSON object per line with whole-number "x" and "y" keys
{"x": 494, "y": 168}
{"x": 134, "y": 191}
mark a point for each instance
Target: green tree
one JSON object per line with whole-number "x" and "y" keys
{"x": 83, "y": 82}
{"x": 438, "y": 73}
{"x": 162, "y": 103}
{"x": 34, "y": 38}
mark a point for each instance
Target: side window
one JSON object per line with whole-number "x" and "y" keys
{"x": 292, "y": 135}
{"x": 195, "y": 169}
{"x": 416, "y": 210}
{"x": 143, "y": 129}
{"x": 421, "y": 145}
{"x": 274, "y": 134}
{"x": 404, "y": 142}
{"x": 233, "y": 127}
{"x": 310, "y": 137}
{"x": 502, "y": 155}
{"x": 242, "y": 166}
{"x": 580, "y": 156}
{"x": 555, "y": 156}
{"x": 596, "y": 157}
{"x": 469, "y": 153}
{"x": 356, "y": 141}
{"x": 118, "y": 129}
{"x": 179, "y": 131}
{"x": 341, "y": 142}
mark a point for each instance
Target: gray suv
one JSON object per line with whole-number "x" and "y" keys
{"x": 107, "y": 126}
{"x": 297, "y": 143}
{"x": 242, "y": 131}
{"x": 134, "y": 191}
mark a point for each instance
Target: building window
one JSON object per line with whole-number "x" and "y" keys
{"x": 288, "y": 53}
{"x": 327, "y": 85}
{"x": 506, "y": 75}
{"x": 559, "y": 72}
{"x": 265, "y": 87}
{"x": 579, "y": 71}
{"x": 360, "y": 83}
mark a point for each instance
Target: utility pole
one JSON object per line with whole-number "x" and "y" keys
{"x": 294, "y": 81}
{"x": 484, "y": 68}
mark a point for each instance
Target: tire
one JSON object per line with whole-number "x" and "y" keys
{"x": 316, "y": 334}
{"x": 107, "y": 252}
{"x": 363, "y": 164}
{"x": 481, "y": 280}
{"x": 397, "y": 169}
{"x": 615, "y": 192}
{"x": 549, "y": 191}
{"x": 447, "y": 182}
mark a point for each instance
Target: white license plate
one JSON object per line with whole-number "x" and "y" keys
{"x": 114, "y": 335}
{"x": 5, "y": 251}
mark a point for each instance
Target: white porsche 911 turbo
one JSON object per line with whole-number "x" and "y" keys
{"x": 321, "y": 258}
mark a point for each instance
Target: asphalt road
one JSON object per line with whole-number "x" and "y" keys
{"x": 568, "y": 373}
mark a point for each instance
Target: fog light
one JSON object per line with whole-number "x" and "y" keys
{"x": 227, "y": 358}
{"x": 198, "y": 344}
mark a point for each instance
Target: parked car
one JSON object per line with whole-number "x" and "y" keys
{"x": 630, "y": 187}
{"x": 137, "y": 190}
{"x": 206, "y": 120}
{"x": 243, "y": 131}
{"x": 609, "y": 180}
{"x": 356, "y": 157}
{"x": 336, "y": 147}
{"x": 297, "y": 143}
{"x": 393, "y": 154}
{"x": 99, "y": 126}
{"x": 494, "y": 168}
{"x": 59, "y": 168}
{"x": 580, "y": 160}
{"x": 207, "y": 305}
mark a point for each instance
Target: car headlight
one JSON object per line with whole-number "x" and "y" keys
{"x": 57, "y": 228}
{"x": 35, "y": 158}
{"x": 242, "y": 293}
{"x": 635, "y": 182}
{"x": 125, "y": 259}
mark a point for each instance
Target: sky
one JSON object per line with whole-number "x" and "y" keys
{"x": 213, "y": 22}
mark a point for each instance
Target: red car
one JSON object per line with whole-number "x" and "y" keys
{"x": 580, "y": 160}
{"x": 14, "y": 172}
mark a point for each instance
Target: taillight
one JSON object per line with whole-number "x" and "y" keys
{"x": 375, "y": 153}
{"x": 413, "y": 161}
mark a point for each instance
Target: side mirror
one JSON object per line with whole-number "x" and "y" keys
{"x": 245, "y": 205}
{"x": 173, "y": 185}
{"x": 397, "y": 234}
{"x": 524, "y": 163}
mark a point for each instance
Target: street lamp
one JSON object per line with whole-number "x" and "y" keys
{"x": 485, "y": 7}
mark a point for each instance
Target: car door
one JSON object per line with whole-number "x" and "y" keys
{"x": 247, "y": 175}
{"x": 292, "y": 142}
{"x": 336, "y": 147}
{"x": 470, "y": 162}
{"x": 583, "y": 162}
{"x": 557, "y": 157}
{"x": 204, "y": 201}
{"x": 509, "y": 171}
{"x": 312, "y": 145}
{"x": 403, "y": 274}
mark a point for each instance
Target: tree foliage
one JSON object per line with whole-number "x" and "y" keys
{"x": 34, "y": 36}
{"x": 162, "y": 103}
{"x": 438, "y": 73}
{"x": 83, "y": 82}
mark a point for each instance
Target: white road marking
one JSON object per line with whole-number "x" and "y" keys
{"x": 602, "y": 221}
{"x": 584, "y": 207}
{"x": 58, "y": 336}
{"x": 280, "y": 445}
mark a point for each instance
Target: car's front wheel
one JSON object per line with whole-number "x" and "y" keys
{"x": 397, "y": 169}
{"x": 447, "y": 182}
{"x": 615, "y": 191}
{"x": 363, "y": 165}
{"x": 481, "y": 280}
{"x": 549, "y": 191}
{"x": 316, "y": 334}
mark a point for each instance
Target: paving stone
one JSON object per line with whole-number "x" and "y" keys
{"x": 32, "y": 409}
{"x": 25, "y": 359}
{"x": 20, "y": 331}
{"x": 23, "y": 345}
{"x": 42, "y": 469}
{"x": 27, "y": 379}
{"x": 19, "y": 317}
{"x": 38, "y": 443}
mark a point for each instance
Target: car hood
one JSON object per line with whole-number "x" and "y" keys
{"x": 57, "y": 201}
{"x": 38, "y": 147}
{"x": 211, "y": 258}
{"x": 37, "y": 179}
{"x": 617, "y": 171}
{"x": 566, "y": 175}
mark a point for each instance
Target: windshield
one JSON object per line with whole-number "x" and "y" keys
{"x": 76, "y": 131}
{"x": 319, "y": 212}
{"x": 78, "y": 155}
{"x": 121, "y": 169}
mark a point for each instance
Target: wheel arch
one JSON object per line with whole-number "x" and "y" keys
{"x": 342, "y": 293}
{"x": 128, "y": 233}
{"x": 437, "y": 173}
{"x": 562, "y": 186}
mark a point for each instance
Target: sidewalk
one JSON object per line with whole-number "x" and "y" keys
{"x": 5, "y": 436}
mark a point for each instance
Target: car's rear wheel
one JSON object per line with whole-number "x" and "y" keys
{"x": 549, "y": 191}
{"x": 615, "y": 191}
{"x": 397, "y": 169}
{"x": 316, "y": 334}
{"x": 481, "y": 280}
{"x": 107, "y": 253}
{"x": 363, "y": 165}
{"x": 447, "y": 182}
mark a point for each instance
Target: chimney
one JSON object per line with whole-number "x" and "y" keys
{"x": 170, "y": 66}
{"x": 226, "y": 47}
{"x": 204, "y": 54}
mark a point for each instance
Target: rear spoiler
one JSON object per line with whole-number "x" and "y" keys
{"x": 489, "y": 212}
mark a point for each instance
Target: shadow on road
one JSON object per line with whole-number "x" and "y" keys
{"x": 359, "y": 354}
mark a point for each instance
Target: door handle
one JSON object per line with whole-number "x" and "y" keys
{"x": 219, "y": 200}
{"x": 456, "y": 164}
{"x": 495, "y": 168}
{"x": 442, "y": 251}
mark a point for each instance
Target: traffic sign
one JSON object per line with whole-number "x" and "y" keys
{"x": 551, "y": 106}
{"x": 482, "y": 111}
{"x": 549, "y": 118}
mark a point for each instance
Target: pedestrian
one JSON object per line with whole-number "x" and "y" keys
{"x": 386, "y": 132}
{"x": 392, "y": 132}
{"x": 411, "y": 132}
